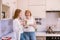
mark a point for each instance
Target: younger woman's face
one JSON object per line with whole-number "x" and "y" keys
{"x": 20, "y": 14}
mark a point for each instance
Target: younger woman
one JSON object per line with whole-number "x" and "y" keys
{"x": 17, "y": 25}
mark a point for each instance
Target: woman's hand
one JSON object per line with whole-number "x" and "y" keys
{"x": 22, "y": 23}
{"x": 25, "y": 24}
{"x": 34, "y": 25}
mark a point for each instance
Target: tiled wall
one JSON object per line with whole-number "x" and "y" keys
{"x": 52, "y": 19}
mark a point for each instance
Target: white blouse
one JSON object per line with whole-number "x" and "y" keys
{"x": 17, "y": 28}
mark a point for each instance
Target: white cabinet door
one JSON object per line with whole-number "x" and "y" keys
{"x": 41, "y": 38}
{"x": 13, "y": 6}
{"x": 23, "y": 4}
{"x": 38, "y": 11}
{"x": 6, "y": 2}
{"x": 37, "y": 2}
{"x": 37, "y": 8}
{"x": 53, "y": 5}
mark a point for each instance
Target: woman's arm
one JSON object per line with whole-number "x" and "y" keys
{"x": 33, "y": 25}
{"x": 25, "y": 24}
{"x": 15, "y": 26}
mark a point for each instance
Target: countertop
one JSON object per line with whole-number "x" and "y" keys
{"x": 45, "y": 34}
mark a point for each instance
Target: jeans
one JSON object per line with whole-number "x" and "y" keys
{"x": 29, "y": 35}
{"x": 22, "y": 37}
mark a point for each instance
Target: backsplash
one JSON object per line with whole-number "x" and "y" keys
{"x": 42, "y": 27}
{"x": 6, "y": 26}
{"x": 52, "y": 19}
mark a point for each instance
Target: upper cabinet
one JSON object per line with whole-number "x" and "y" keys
{"x": 36, "y": 2}
{"x": 5, "y": 12}
{"x": 37, "y": 8}
{"x": 8, "y": 7}
{"x": 22, "y": 4}
{"x": 10, "y": 2}
{"x": 38, "y": 11}
{"x": 53, "y": 5}
{"x": 6, "y": 2}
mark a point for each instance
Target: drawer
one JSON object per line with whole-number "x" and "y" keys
{"x": 40, "y": 38}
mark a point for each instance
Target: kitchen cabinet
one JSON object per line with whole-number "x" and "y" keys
{"x": 46, "y": 36}
{"x": 9, "y": 2}
{"x": 12, "y": 4}
{"x": 37, "y": 7}
{"x": 22, "y": 4}
{"x": 41, "y": 38}
{"x": 38, "y": 11}
{"x": 53, "y": 5}
{"x": 13, "y": 7}
{"x": 5, "y": 11}
{"x": 52, "y": 38}
{"x": 6, "y": 2}
{"x": 37, "y": 2}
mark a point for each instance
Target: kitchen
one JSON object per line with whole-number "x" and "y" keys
{"x": 46, "y": 13}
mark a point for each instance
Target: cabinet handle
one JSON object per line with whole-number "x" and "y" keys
{"x": 58, "y": 38}
{"x": 52, "y": 38}
{"x": 55, "y": 37}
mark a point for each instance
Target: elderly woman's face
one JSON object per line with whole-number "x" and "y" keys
{"x": 28, "y": 14}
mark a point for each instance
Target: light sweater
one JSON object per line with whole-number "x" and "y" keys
{"x": 30, "y": 28}
{"x": 17, "y": 28}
